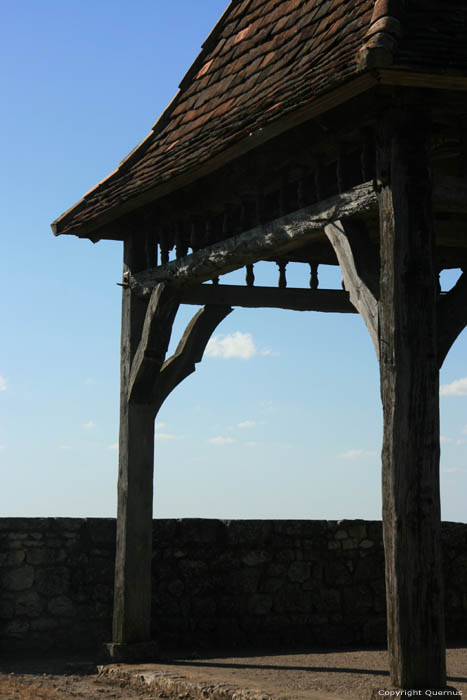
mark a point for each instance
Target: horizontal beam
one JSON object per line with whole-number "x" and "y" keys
{"x": 264, "y": 241}
{"x": 331, "y": 300}
{"x": 282, "y": 235}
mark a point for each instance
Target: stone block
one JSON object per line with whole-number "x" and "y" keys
{"x": 7, "y": 610}
{"x": 247, "y": 580}
{"x": 19, "y": 579}
{"x": 41, "y": 557}
{"x": 176, "y": 588}
{"x": 272, "y": 585}
{"x": 337, "y": 573}
{"x": 366, "y": 544}
{"x": 29, "y": 603}
{"x": 16, "y": 629}
{"x": 260, "y": 604}
{"x": 299, "y": 572}
{"x": 52, "y": 581}
{"x": 14, "y": 557}
{"x": 256, "y": 558}
{"x": 357, "y": 530}
{"x": 61, "y": 606}
{"x": 204, "y": 608}
{"x": 276, "y": 569}
{"x": 350, "y": 544}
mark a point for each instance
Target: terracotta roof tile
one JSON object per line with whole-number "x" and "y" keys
{"x": 264, "y": 59}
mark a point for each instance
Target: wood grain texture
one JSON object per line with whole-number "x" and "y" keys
{"x": 264, "y": 241}
{"x": 152, "y": 349}
{"x": 295, "y": 299}
{"x": 132, "y": 593}
{"x": 189, "y": 352}
{"x": 410, "y": 390}
{"x": 452, "y": 316}
{"x": 358, "y": 272}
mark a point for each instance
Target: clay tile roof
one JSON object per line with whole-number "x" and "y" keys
{"x": 263, "y": 60}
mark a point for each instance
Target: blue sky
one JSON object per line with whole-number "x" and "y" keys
{"x": 282, "y": 418}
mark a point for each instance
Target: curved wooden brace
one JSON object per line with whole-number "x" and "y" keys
{"x": 189, "y": 351}
{"x": 452, "y": 316}
{"x": 152, "y": 348}
{"x": 360, "y": 270}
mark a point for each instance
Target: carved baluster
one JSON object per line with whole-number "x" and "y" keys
{"x": 164, "y": 238}
{"x": 282, "y": 276}
{"x": 243, "y": 217}
{"x": 368, "y": 155}
{"x": 283, "y": 199}
{"x": 208, "y": 232}
{"x": 341, "y": 174}
{"x": 250, "y": 276}
{"x": 318, "y": 177}
{"x": 314, "y": 281}
{"x": 181, "y": 243}
{"x": 463, "y": 149}
{"x": 301, "y": 189}
{"x": 226, "y": 224}
{"x": 151, "y": 247}
{"x": 195, "y": 236}
{"x": 259, "y": 204}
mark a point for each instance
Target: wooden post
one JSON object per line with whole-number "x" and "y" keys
{"x": 410, "y": 390}
{"x": 132, "y": 596}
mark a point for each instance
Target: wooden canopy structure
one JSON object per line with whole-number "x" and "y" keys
{"x": 313, "y": 131}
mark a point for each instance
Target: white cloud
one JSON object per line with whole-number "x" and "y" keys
{"x": 168, "y": 436}
{"x": 2, "y": 447}
{"x": 2, "y": 383}
{"x": 252, "y": 443}
{"x": 65, "y": 447}
{"x": 159, "y": 426}
{"x": 456, "y": 388}
{"x": 89, "y": 381}
{"x": 464, "y": 430}
{"x": 461, "y": 442}
{"x": 443, "y": 439}
{"x": 221, "y": 440}
{"x": 236, "y": 345}
{"x": 246, "y": 424}
{"x": 113, "y": 446}
{"x": 353, "y": 454}
{"x": 453, "y": 470}
{"x": 89, "y": 425}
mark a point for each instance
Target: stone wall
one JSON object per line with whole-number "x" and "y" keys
{"x": 224, "y": 583}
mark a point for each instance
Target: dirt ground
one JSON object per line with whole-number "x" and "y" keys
{"x": 316, "y": 675}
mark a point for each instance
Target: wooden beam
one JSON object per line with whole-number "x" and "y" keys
{"x": 282, "y": 236}
{"x": 330, "y": 300}
{"x": 264, "y": 241}
{"x": 152, "y": 348}
{"x": 410, "y": 395}
{"x": 452, "y": 316}
{"x": 188, "y": 353}
{"x": 132, "y": 593}
{"x": 359, "y": 273}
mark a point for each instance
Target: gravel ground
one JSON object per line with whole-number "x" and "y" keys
{"x": 322, "y": 675}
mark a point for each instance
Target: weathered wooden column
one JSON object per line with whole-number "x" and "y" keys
{"x": 132, "y": 596}
{"x": 410, "y": 396}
